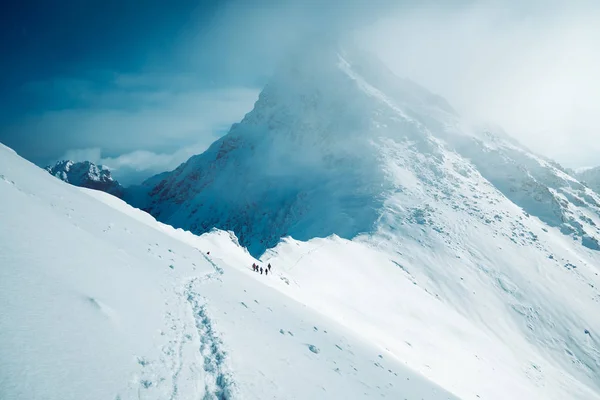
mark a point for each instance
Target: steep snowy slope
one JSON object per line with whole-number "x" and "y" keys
{"x": 99, "y": 301}
{"x": 86, "y": 174}
{"x": 540, "y": 187}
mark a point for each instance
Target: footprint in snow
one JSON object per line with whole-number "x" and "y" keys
{"x": 314, "y": 349}
{"x": 143, "y": 362}
{"x": 146, "y": 383}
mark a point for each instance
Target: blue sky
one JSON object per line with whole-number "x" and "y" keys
{"x": 142, "y": 85}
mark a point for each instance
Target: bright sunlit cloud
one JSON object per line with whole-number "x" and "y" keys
{"x": 530, "y": 67}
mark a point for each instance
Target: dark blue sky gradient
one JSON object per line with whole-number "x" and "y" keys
{"x": 41, "y": 39}
{"x": 90, "y": 39}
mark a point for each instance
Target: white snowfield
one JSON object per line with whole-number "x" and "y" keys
{"x": 99, "y": 301}
{"x": 465, "y": 256}
{"x": 477, "y": 279}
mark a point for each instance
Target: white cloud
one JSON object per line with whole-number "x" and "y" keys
{"x": 121, "y": 121}
{"x": 145, "y": 124}
{"x": 528, "y": 66}
{"x": 135, "y": 166}
{"x": 91, "y": 154}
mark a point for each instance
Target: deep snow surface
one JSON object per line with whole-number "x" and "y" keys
{"x": 99, "y": 301}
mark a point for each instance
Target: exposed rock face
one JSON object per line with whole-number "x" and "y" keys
{"x": 86, "y": 174}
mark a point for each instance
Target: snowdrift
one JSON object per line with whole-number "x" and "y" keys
{"x": 100, "y": 301}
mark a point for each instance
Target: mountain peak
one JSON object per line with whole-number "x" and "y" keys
{"x": 338, "y": 144}
{"x": 86, "y": 174}
{"x": 322, "y": 64}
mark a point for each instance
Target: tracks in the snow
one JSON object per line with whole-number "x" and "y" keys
{"x": 218, "y": 380}
{"x": 193, "y": 363}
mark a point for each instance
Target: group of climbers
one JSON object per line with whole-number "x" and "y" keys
{"x": 257, "y": 268}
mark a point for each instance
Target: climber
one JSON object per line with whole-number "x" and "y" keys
{"x": 253, "y": 267}
{"x": 261, "y": 270}
{"x": 269, "y": 266}
{"x": 266, "y": 271}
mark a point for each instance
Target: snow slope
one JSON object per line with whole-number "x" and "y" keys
{"x": 472, "y": 261}
{"x": 463, "y": 242}
{"x": 99, "y": 301}
{"x": 86, "y": 174}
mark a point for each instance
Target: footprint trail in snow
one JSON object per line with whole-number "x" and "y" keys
{"x": 218, "y": 381}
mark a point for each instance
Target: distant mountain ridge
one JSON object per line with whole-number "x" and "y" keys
{"x": 86, "y": 174}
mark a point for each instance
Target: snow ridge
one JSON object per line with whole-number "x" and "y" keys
{"x": 456, "y": 274}
{"x": 117, "y": 302}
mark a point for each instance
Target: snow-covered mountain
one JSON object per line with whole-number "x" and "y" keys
{"x": 305, "y": 162}
{"x": 331, "y": 142}
{"x": 541, "y": 187}
{"x": 86, "y": 174}
{"x": 99, "y": 301}
{"x": 421, "y": 259}
{"x": 507, "y": 240}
